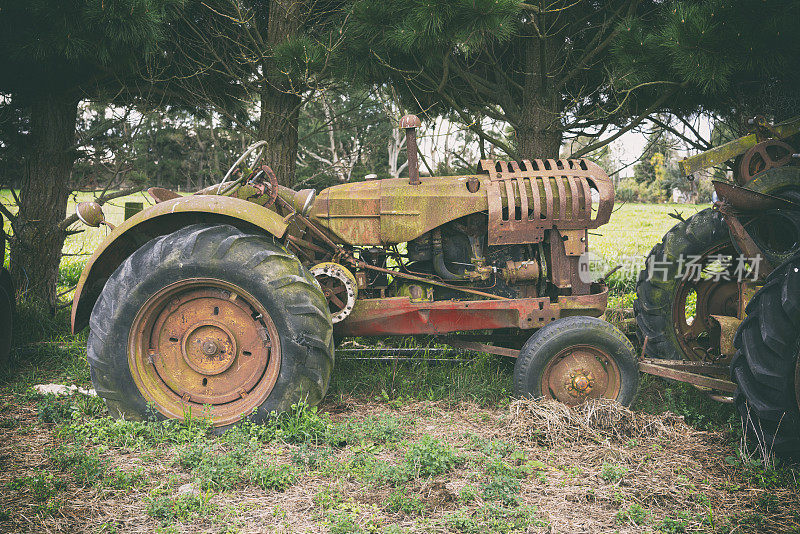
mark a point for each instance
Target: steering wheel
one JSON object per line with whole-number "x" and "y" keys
{"x": 266, "y": 182}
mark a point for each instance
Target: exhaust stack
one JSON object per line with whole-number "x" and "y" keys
{"x": 410, "y": 123}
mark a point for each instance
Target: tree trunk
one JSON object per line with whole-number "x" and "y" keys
{"x": 280, "y": 102}
{"x": 37, "y": 243}
{"x": 538, "y": 128}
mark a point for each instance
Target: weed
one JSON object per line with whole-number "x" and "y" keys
{"x": 110, "y": 527}
{"x": 502, "y": 488}
{"x": 88, "y": 468}
{"x": 373, "y": 429}
{"x": 431, "y": 457}
{"x": 327, "y": 498}
{"x": 272, "y": 477}
{"x": 137, "y": 434}
{"x": 493, "y": 519}
{"x": 42, "y": 486}
{"x": 342, "y": 522}
{"x": 312, "y": 457}
{"x": 50, "y": 507}
{"x": 218, "y": 470}
{"x": 504, "y": 482}
{"x": 190, "y": 457}
{"x": 301, "y": 424}
{"x": 354, "y": 518}
{"x": 613, "y": 473}
{"x": 485, "y": 380}
{"x": 497, "y": 466}
{"x": 384, "y": 429}
{"x": 54, "y": 410}
{"x": 695, "y": 407}
{"x": 498, "y": 447}
{"x": 761, "y": 473}
{"x": 88, "y": 406}
{"x": 674, "y": 523}
{"x": 634, "y": 514}
{"x": 392, "y": 474}
{"x": 125, "y": 480}
{"x": 400, "y": 500}
{"x": 181, "y": 508}
{"x": 393, "y": 403}
{"x": 533, "y": 466}
{"x": 467, "y": 494}
{"x": 69, "y": 272}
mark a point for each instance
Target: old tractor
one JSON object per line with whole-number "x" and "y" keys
{"x": 226, "y": 303}
{"x": 702, "y": 308}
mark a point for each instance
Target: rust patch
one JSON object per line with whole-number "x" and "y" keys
{"x": 528, "y": 197}
{"x": 579, "y": 373}
{"x": 402, "y": 316}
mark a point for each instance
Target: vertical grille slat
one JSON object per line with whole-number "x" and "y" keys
{"x": 532, "y": 185}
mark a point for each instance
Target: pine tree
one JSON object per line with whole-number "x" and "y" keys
{"x": 53, "y": 54}
{"x": 541, "y": 66}
{"x": 735, "y": 59}
{"x": 274, "y": 54}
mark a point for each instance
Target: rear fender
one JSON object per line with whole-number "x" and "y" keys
{"x": 161, "y": 219}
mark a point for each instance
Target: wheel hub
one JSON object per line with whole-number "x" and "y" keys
{"x": 707, "y": 297}
{"x": 204, "y": 343}
{"x": 579, "y": 373}
{"x": 581, "y": 383}
{"x": 209, "y": 348}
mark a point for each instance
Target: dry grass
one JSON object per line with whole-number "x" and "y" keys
{"x": 554, "y": 424}
{"x": 583, "y": 468}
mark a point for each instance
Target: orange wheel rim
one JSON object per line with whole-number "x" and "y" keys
{"x": 206, "y": 347}
{"x": 579, "y": 373}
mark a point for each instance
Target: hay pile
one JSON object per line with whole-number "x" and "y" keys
{"x": 550, "y": 422}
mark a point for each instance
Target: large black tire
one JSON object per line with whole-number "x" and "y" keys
{"x": 250, "y": 263}
{"x": 655, "y": 296}
{"x": 765, "y": 365}
{"x": 560, "y": 340}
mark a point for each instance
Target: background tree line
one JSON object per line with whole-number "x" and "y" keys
{"x": 112, "y": 94}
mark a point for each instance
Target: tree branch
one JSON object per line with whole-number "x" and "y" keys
{"x": 101, "y": 200}
{"x": 634, "y": 123}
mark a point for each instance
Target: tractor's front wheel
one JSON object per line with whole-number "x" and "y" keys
{"x": 577, "y": 358}
{"x": 213, "y": 322}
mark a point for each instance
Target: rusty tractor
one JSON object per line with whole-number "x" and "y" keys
{"x": 703, "y": 318}
{"x": 227, "y": 302}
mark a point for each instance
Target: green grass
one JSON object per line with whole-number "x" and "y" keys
{"x": 412, "y": 447}
{"x": 635, "y": 228}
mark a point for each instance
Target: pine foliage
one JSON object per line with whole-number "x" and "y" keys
{"x": 736, "y": 57}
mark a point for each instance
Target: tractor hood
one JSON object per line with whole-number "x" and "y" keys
{"x": 564, "y": 194}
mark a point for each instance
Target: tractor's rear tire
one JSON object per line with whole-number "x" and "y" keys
{"x": 577, "y": 358}
{"x": 660, "y": 298}
{"x": 211, "y": 321}
{"x": 766, "y": 367}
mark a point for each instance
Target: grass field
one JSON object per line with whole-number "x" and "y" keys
{"x": 416, "y": 447}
